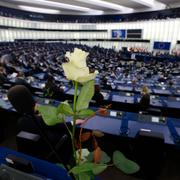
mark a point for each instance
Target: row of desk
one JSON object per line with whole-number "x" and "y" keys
{"x": 125, "y": 84}
{"x": 122, "y": 123}
{"x": 169, "y": 104}
{"x": 130, "y": 98}
{"x": 146, "y": 57}
{"x": 155, "y": 87}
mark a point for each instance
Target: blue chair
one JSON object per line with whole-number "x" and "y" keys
{"x": 41, "y": 167}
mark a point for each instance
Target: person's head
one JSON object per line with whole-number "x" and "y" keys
{"x": 50, "y": 79}
{"x": 171, "y": 82}
{"x": 1, "y": 70}
{"x": 20, "y": 74}
{"x": 21, "y": 99}
{"x": 145, "y": 90}
{"x": 6, "y": 59}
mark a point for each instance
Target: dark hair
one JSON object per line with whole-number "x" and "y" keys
{"x": 21, "y": 99}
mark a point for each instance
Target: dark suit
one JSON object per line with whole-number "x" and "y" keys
{"x": 53, "y": 90}
{"x": 144, "y": 102}
{"x": 98, "y": 97}
{"x": 3, "y": 79}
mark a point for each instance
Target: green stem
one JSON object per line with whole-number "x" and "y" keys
{"x": 75, "y": 95}
{"x": 68, "y": 129}
{"x": 74, "y": 120}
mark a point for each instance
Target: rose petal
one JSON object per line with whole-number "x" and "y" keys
{"x": 87, "y": 77}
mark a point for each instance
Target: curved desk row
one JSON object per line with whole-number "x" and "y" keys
{"x": 129, "y": 102}
{"x": 117, "y": 120}
{"x": 121, "y": 100}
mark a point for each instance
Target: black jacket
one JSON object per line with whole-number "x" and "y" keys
{"x": 144, "y": 102}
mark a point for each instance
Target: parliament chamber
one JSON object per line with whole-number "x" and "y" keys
{"x": 132, "y": 55}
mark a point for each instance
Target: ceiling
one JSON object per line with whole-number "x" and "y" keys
{"x": 90, "y": 7}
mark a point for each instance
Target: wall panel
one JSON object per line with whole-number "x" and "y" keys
{"x": 154, "y": 30}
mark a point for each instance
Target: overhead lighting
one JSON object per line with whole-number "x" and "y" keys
{"x": 158, "y": 5}
{"x": 108, "y": 5}
{"x": 56, "y": 4}
{"x": 39, "y": 10}
{"x": 151, "y": 3}
{"x": 93, "y": 12}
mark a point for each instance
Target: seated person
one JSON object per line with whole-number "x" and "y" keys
{"x": 30, "y": 121}
{"x": 3, "y": 78}
{"x": 51, "y": 89}
{"x": 98, "y": 97}
{"x": 171, "y": 83}
{"x": 134, "y": 82}
{"x": 145, "y": 98}
{"x": 161, "y": 78}
{"x": 105, "y": 84}
{"x": 20, "y": 80}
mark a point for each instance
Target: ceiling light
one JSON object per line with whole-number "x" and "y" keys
{"x": 151, "y": 3}
{"x": 93, "y": 12}
{"x": 55, "y": 4}
{"x": 107, "y": 5}
{"x": 39, "y": 10}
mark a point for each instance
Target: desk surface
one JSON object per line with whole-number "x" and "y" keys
{"x": 117, "y": 97}
{"x": 130, "y": 98}
{"x": 112, "y": 125}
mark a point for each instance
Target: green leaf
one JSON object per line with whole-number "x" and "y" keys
{"x": 86, "y": 94}
{"x": 104, "y": 158}
{"x": 82, "y": 168}
{"x": 99, "y": 168}
{"x": 65, "y": 108}
{"x": 84, "y": 176}
{"x": 90, "y": 157}
{"x": 124, "y": 164}
{"x": 49, "y": 115}
{"x": 88, "y": 167}
{"x": 85, "y": 113}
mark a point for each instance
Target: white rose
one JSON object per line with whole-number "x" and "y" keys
{"x": 76, "y": 69}
{"x": 78, "y": 58}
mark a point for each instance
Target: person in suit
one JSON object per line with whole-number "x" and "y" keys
{"x": 3, "y": 78}
{"x": 51, "y": 89}
{"x": 98, "y": 97}
{"x": 20, "y": 80}
{"x": 145, "y": 98}
{"x": 30, "y": 120}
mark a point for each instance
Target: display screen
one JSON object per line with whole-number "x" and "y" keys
{"x": 119, "y": 33}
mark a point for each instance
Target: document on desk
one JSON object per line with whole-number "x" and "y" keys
{"x": 113, "y": 113}
{"x": 105, "y": 95}
{"x": 155, "y": 119}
